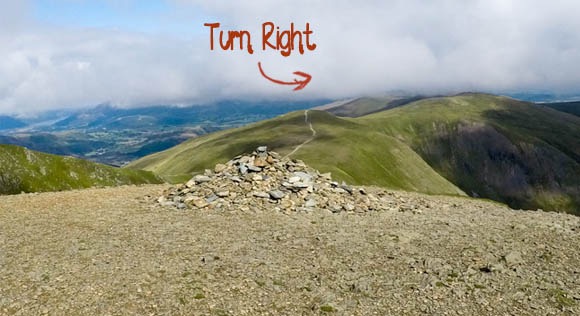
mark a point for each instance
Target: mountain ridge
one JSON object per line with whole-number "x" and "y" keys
{"x": 434, "y": 145}
{"x": 285, "y": 133}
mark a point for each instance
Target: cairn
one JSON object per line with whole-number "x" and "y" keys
{"x": 265, "y": 179}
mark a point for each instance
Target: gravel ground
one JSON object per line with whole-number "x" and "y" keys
{"x": 114, "y": 251}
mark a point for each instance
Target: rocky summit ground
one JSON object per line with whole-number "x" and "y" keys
{"x": 125, "y": 251}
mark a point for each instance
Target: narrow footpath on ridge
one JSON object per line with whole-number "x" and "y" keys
{"x": 307, "y": 121}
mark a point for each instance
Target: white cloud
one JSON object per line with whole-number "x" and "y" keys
{"x": 364, "y": 47}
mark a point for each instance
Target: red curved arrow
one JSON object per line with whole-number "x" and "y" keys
{"x": 300, "y": 84}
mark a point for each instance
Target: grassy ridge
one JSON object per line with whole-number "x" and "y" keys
{"x": 349, "y": 150}
{"x": 518, "y": 153}
{"x": 23, "y": 170}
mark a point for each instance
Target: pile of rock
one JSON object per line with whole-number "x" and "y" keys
{"x": 264, "y": 179}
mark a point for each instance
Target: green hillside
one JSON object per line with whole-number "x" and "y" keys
{"x": 351, "y": 151}
{"x": 514, "y": 152}
{"x": 23, "y": 170}
{"x": 510, "y": 151}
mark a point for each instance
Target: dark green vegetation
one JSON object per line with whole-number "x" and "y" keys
{"x": 116, "y": 136}
{"x": 568, "y": 107}
{"x": 23, "y": 170}
{"x": 525, "y": 155}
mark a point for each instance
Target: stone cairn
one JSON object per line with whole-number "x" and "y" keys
{"x": 264, "y": 179}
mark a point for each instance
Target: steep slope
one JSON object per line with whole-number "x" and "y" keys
{"x": 23, "y": 170}
{"x": 350, "y": 151}
{"x": 515, "y": 152}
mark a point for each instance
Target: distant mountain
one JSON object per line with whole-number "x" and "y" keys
{"x": 87, "y": 118}
{"x": 116, "y": 136}
{"x": 108, "y": 117}
{"x": 535, "y": 96}
{"x": 23, "y": 170}
{"x": 518, "y": 153}
{"x": 572, "y": 107}
{"x": 544, "y": 97}
{"x": 367, "y": 105}
{"x": 7, "y": 122}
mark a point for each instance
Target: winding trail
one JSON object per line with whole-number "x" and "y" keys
{"x": 307, "y": 121}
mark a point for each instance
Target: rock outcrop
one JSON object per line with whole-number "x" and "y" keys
{"x": 265, "y": 178}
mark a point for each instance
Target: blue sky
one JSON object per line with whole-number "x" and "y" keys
{"x": 75, "y": 53}
{"x": 147, "y": 16}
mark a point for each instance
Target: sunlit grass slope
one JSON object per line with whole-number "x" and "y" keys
{"x": 23, "y": 170}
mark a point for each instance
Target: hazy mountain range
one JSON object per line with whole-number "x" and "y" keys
{"x": 116, "y": 136}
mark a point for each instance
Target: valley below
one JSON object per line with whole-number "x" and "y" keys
{"x": 117, "y": 136}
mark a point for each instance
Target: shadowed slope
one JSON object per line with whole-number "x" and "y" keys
{"x": 514, "y": 152}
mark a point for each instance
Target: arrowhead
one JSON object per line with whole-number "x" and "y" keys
{"x": 302, "y": 83}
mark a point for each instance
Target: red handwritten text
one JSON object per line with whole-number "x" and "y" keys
{"x": 284, "y": 41}
{"x": 232, "y": 36}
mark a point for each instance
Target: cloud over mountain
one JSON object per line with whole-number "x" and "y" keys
{"x": 362, "y": 47}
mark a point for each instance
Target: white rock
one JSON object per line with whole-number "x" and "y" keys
{"x": 348, "y": 207}
{"x": 261, "y": 195}
{"x": 220, "y": 167}
{"x": 223, "y": 194}
{"x": 277, "y": 194}
{"x": 311, "y": 203}
{"x": 294, "y": 179}
{"x": 201, "y": 179}
{"x": 513, "y": 258}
